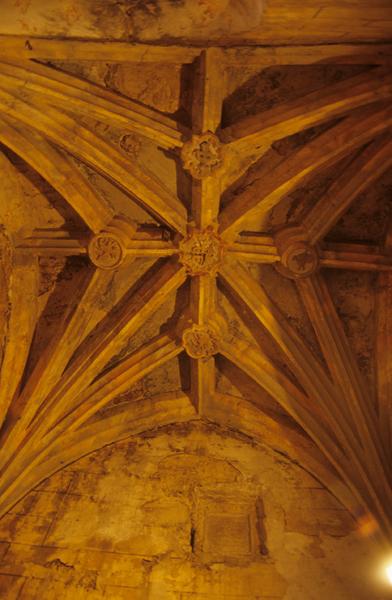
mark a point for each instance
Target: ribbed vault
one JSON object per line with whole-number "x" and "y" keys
{"x": 201, "y": 251}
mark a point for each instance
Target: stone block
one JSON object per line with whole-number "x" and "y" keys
{"x": 226, "y": 526}
{"x": 23, "y": 559}
{"x": 125, "y": 593}
{"x": 114, "y": 569}
{"x": 227, "y": 535}
{"x": 85, "y": 484}
{"x": 10, "y": 586}
{"x": 217, "y": 580}
{"x": 167, "y": 512}
{"x": 33, "y": 589}
{"x": 59, "y": 482}
{"x": 109, "y": 526}
{"x": 29, "y": 529}
{"x": 4, "y": 547}
{"x": 39, "y": 503}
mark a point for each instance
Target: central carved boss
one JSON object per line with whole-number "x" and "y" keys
{"x": 201, "y": 252}
{"x": 200, "y": 341}
{"x": 202, "y": 155}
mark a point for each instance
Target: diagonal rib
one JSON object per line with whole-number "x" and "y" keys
{"x": 269, "y": 185}
{"x": 79, "y": 141}
{"x": 88, "y": 99}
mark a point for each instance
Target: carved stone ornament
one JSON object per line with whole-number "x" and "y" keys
{"x": 299, "y": 260}
{"x": 200, "y": 341}
{"x": 202, "y": 155}
{"x": 201, "y": 252}
{"x": 105, "y": 251}
{"x": 131, "y": 144}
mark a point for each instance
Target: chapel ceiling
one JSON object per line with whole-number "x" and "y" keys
{"x": 196, "y": 233}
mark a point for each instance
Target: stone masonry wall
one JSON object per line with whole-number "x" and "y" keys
{"x": 188, "y": 512}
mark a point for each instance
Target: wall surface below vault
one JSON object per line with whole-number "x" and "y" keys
{"x": 188, "y": 512}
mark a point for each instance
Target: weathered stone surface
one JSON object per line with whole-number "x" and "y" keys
{"x": 11, "y": 586}
{"x": 171, "y": 515}
{"x": 254, "y": 90}
{"x": 150, "y": 19}
{"x": 353, "y": 294}
{"x": 252, "y": 20}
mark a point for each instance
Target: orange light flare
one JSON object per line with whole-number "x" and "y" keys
{"x": 367, "y": 525}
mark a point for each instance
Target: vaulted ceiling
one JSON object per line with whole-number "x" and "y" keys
{"x": 193, "y": 233}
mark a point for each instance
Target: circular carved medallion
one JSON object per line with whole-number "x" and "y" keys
{"x": 299, "y": 260}
{"x": 105, "y": 251}
{"x": 202, "y": 155}
{"x": 131, "y": 144}
{"x": 200, "y": 341}
{"x": 201, "y": 252}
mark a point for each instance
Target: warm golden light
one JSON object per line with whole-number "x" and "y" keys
{"x": 388, "y": 571}
{"x": 367, "y": 525}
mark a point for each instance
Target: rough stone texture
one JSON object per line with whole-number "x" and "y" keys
{"x": 256, "y": 21}
{"x": 366, "y": 221}
{"x": 253, "y": 90}
{"x": 144, "y": 19}
{"x": 353, "y": 294}
{"x": 292, "y": 209}
{"x": 30, "y": 195}
{"x": 188, "y": 512}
